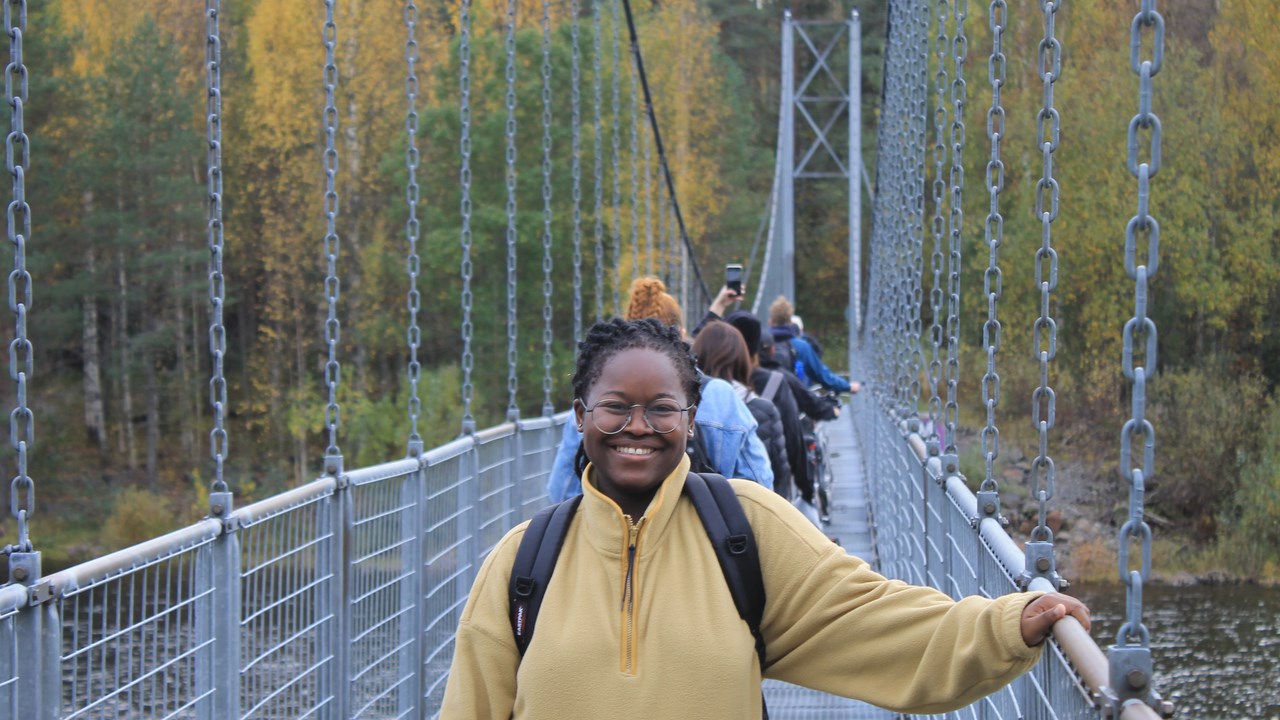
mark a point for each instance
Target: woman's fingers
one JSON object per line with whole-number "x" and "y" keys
{"x": 1040, "y": 615}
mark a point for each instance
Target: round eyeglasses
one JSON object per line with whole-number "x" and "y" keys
{"x": 612, "y": 417}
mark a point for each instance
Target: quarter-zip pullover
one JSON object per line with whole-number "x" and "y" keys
{"x": 638, "y": 621}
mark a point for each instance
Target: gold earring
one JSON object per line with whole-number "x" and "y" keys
{"x": 579, "y": 428}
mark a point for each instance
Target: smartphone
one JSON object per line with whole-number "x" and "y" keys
{"x": 733, "y": 277}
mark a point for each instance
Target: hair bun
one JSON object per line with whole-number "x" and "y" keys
{"x": 649, "y": 299}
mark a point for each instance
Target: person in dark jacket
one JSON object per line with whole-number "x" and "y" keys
{"x": 818, "y": 407}
{"x": 722, "y": 352}
{"x": 775, "y": 386}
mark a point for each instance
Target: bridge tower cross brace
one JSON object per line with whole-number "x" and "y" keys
{"x": 813, "y": 104}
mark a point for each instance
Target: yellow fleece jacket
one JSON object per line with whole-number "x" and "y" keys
{"x": 659, "y": 637}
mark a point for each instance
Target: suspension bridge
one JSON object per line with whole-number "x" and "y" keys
{"x": 339, "y": 598}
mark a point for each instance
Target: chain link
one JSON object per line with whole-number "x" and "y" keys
{"x": 548, "y": 408}
{"x": 597, "y": 86}
{"x": 662, "y": 234}
{"x": 513, "y": 409}
{"x": 464, "y": 86}
{"x": 936, "y": 260}
{"x": 918, "y": 131}
{"x": 576, "y": 105}
{"x": 992, "y": 286}
{"x": 1038, "y": 551}
{"x": 648, "y": 197}
{"x": 1140, "y": 326}
{"x": 411, "y": 228}
{"x": 332, "y": 285}
{"x": 1130, "y": 659}
{"x": 635, "y": 173}
{"x": 217, "y": 283}
{"x": 22, "y": 489}
{"x": 959, "y": 94}
{"x": 615, "y": 108}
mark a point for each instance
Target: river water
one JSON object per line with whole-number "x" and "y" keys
{"x": 1216, "y": 648}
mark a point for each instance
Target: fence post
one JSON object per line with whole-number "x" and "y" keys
{"x": 37, "y": 632}
{"x": 513, "y": 508}
{"x": 469, "y": 518}
{"x": 334, "y": 557}
{"x": 217, "y": 617}
{"x": 412, "y": 591}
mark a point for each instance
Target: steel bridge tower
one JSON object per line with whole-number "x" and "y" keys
{"x": 817, "y": 94}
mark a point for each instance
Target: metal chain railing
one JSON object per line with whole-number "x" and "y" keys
{"x": 1130, "y": 657}
{"x": 661, "y": 248}
{"x": 411, "y": 227}
{"x": 648, "y": 201}
{"x": 548, "y": 409}
{"x": 615, "y": 159}
{"x": 917, "y": 138}
{"x": 1039, "y": 553}
{"x": 332, "y": 285}
{"x": 901, "y": 244}
{"x": 217, "y": 282}
{"x": 464, "y": 146}
{"x": 937, "y": 259}
{"x": 992, "y": 283}
{"x": 22, "y": 489}
{"x": 955, "y": 223}
{"x": 635, "y": 174}
{"x": 893, "y": 365}
{"x": 575, "y": 104}
{"x": 597, "y": 86}
{"x": 513, "y": 409}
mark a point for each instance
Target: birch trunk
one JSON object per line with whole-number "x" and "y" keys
{"x": 94, "y": 415}
{"x": 124, "y": 360}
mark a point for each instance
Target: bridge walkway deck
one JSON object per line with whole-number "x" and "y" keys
{"x": 850, "y": 524}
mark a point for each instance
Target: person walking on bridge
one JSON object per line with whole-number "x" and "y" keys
{"x": 796, "y": 354}
{"x": 638, "y": 619}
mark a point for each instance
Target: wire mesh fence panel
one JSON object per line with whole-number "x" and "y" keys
{"x": 539, "y": 441}
{"x": 926, "y": 534}
{"x": 130, "y": 639}
{"x": 12, "y": 599}
{"x": 290, "y": 623}
{"x": 383, "y": 597}
{"x": 449, "y": 560}
{"x": 497, "y": 468}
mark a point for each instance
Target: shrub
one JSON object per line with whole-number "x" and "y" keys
{"x": 137, "y": 515}
{"x": 1251, "y": 525}
{"x": 1205, "y": 419}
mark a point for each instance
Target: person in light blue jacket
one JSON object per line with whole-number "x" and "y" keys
{"x": 727, "y": 428}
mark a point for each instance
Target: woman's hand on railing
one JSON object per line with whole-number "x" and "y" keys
{"x": 1040, "y": 614}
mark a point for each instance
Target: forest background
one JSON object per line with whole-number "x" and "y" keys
{"x": 116, "y": 120}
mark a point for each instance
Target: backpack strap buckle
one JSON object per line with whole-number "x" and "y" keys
{"x": 523, "y": 587}
{"x": 737, "y": 544}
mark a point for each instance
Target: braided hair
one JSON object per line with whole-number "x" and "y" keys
{"x": 608, "y": 338}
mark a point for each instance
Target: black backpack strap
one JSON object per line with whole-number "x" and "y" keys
{"x": 535, "y": 562}
{"x": 735, "y": 545}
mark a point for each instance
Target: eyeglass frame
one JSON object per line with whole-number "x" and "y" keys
{"x": 631, "y": 413}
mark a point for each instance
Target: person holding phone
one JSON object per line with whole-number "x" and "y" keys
{"x": 732, "y": 292}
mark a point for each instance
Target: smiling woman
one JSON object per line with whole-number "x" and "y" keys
{"x": 638, "y": 616}
{"x": 642, "y": 367}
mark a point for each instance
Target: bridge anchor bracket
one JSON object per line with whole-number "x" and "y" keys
{"x": 1131, "y": 672}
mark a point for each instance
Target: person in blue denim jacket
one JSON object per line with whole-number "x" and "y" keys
{"x": 727, "y": 427}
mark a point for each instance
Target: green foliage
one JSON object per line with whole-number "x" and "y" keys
{"x": 138, "y": 515}
{"x": 1250, "y": 525}
{"x": 1206, "y": 420}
